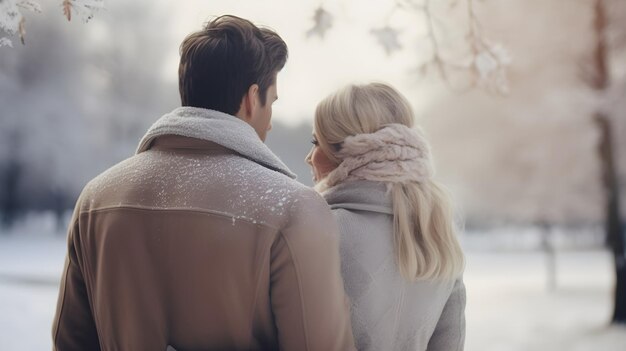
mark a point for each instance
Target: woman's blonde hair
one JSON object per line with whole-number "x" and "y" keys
{"x": 424, "y": 232}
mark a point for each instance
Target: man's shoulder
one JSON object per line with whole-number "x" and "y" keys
{"x": 107, "y": 181}
{"x": 276, "y": 188}
{"x": 274, "y": 183}
{"x": 107, "y": 176}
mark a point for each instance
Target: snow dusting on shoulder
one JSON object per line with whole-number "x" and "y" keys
{"x": 228, "y": 184}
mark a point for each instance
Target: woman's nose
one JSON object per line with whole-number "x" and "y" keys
{"x": 307, "y": 159}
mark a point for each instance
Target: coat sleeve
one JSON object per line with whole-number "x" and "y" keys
{"x": 311, "y": 310}
{"x": 73, "y": 326}
{"x": 449, "y": 334}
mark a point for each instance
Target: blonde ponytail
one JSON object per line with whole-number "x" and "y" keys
{"x": 424, "y": 233}
{"x": 375, "y": 115}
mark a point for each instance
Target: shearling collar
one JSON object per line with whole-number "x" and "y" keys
{"x": 362, "y": 195}
{"x": 220, "y": 128}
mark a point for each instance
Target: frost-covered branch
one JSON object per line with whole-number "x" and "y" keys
{"x": 323, "y": 22}
{"x": 490, "y": 61}
{"x": 437, "y": 60}
{"x": 13, "y": 22}
{"x": 86, "y": 9}
{"x": 485, "y": 63}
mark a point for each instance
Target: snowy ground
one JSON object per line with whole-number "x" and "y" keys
{"x": 509, "y": 306}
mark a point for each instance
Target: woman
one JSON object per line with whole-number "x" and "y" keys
{"x": 401, "y": 261}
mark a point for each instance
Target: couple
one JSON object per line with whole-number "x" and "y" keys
{"x": 203, "y": 240}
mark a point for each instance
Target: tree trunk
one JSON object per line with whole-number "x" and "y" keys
{"x": 614, "y": 233}
{"x": 600, "y": 82}
{"x": 9, "y": 203}
{"x": 9, "y": 178}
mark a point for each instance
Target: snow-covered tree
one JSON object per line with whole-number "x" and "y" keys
{"x": 75, "y": 100}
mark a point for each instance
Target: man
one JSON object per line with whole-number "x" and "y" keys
{"x": 202, "y": 240}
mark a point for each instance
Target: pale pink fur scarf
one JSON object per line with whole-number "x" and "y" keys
{"x": 393, "y": 154}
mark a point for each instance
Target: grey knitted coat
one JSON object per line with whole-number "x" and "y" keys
{"x": 388, "y": 312}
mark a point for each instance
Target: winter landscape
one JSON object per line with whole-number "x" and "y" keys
{"x": 524, "y": 102}
{"x": 510, "y": 304}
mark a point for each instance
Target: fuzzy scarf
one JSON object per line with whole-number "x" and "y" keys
{"x": 393, "y": 154}
{"x": 220, "y": 128}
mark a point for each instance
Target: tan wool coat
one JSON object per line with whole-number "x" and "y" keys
{"x": 201, "y": 241}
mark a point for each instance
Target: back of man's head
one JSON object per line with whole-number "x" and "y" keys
{"x": 219, "y": 63}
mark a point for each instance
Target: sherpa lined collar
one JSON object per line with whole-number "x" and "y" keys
{"x": 362, "y": 195}
{"x": 220, "y": 128}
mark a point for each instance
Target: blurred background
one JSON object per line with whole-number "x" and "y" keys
{"x": 524, "y": 102}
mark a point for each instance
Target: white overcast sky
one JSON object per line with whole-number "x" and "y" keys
{"x": 316, "y": 67}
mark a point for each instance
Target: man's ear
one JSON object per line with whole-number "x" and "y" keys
{"x": 249, "y": 103}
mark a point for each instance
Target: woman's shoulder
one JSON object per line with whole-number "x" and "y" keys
{"x": 352, "y": 220}
{"x": 360, "y": 196}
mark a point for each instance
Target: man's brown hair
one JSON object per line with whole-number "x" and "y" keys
{"x": 220, "y": 62}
